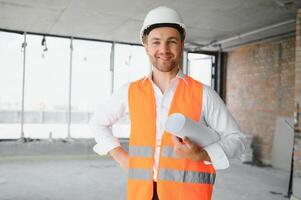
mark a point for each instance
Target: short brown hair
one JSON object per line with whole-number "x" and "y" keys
{"x": 175, "y": 26}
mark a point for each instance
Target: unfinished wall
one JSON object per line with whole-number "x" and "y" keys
{"x": 297, "y": 153}
{"x": 260, "y": 87}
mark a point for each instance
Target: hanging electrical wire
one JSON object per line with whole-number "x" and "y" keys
{"x": 44, "y": 44}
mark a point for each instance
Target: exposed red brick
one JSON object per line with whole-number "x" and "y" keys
{"x": 260, "y": 86}
{"x": 297, "y": 152}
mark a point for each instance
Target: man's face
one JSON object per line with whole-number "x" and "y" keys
{"x": 164, "y": 48}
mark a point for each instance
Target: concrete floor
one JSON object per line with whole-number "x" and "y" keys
{"x": 100, "y": 178}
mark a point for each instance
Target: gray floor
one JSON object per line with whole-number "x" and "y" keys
{"x": 101, "y": 179}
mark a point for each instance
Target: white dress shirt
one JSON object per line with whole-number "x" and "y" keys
{"x": 214, "y": 114}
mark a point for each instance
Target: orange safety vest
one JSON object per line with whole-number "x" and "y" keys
{"x": 178, "y": 179}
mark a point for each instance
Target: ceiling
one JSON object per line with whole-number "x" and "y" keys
{"x": 211, "y": 24}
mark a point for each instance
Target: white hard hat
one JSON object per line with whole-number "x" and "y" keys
{"x": 163, "y": 16}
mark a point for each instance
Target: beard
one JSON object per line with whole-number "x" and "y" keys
{"x": 165, "y": 66}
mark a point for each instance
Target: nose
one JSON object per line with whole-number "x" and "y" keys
{"x": 164, "y": 48}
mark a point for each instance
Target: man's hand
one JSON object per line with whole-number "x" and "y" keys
{"x": 189, "y": 150}
{"x": 121, "y": 156}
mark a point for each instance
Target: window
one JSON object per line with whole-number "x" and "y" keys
{"x": 11, "y": 65}
{"x": 200, "y": 67}
{"x": 46, "y": 87}
{"x": 91, "y": 83}
{"x": 47, "y": 73}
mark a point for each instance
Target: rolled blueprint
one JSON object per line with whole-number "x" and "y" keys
{"x": 181, "y": 126}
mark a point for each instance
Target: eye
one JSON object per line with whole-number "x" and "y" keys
{"x": 154, "y": 43}
{"x": 173, "y": 41}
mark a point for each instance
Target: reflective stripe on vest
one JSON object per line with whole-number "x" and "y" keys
{"x": 140, "y": 174}
{"x": 186, "y": 176}
{"x": 141, "y": 151}
{"x": 168, "y": 151}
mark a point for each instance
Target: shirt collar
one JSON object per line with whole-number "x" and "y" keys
{"x": 180, "y": 75}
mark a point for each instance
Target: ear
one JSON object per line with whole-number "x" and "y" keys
{"x": 145, "y": 45}
{"x": 182, "y": 46}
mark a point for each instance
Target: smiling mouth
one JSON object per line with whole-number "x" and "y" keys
{"x": 167, "y": 58}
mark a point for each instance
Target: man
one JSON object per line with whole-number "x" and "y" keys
{"x": 159, "y": 165}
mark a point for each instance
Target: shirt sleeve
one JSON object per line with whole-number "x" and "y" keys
{"x": 216, "y": 115}
{"x": 104, "y": 118}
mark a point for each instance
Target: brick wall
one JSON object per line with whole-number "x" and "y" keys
{"x": 260, "y": 87}
{"x": 297, "y": 153}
